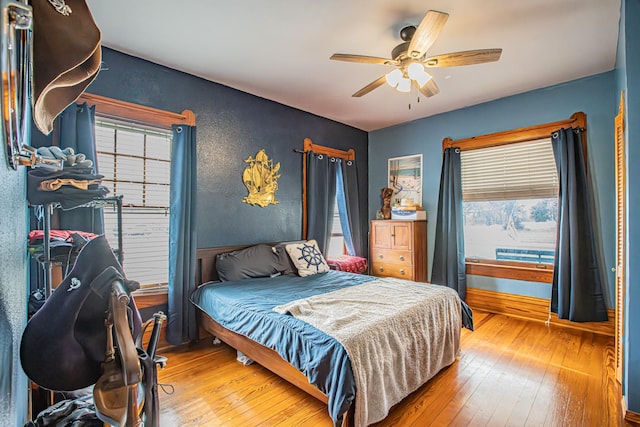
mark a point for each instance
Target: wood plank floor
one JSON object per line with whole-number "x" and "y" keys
{"x": 511, "y": 372}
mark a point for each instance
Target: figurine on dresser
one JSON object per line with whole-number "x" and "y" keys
{"x": 385, "y": 211}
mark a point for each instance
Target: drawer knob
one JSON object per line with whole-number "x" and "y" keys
{"x": 380, "y": 256}
{"x": 381, "y": 269}
{"x": 401, "y": 258}
{"x": 402, "y": 271}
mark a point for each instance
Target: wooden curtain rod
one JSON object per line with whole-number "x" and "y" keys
{"x": 516, "y": 135}
{"x": 117, "y": 109}
{"x": 333, "y": 152}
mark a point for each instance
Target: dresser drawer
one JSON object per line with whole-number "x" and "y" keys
{"x": 395, "y": 257}
{"x": 386, "y": 269}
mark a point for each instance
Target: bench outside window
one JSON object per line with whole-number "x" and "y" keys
{"x": 525, "y": 255}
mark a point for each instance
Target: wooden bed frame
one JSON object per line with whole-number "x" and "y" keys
{"x": 266, "y": 357}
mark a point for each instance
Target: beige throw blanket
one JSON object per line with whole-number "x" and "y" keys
{"x": 398, "y": 334}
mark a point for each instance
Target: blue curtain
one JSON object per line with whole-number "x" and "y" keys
{"x": 321, "y": 195}
{"x": 448, "y": 267}
{"x": 76, "y": 130}
{"x": 577, "y": 289}
{"x": 349, "y": 206}
{"x": 181, "y": 324}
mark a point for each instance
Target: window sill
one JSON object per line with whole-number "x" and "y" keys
{"x": 151, "y": 297}
{"x": 542, "y": 273}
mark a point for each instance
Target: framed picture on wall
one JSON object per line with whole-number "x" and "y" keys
{"x": 405, "y": 178}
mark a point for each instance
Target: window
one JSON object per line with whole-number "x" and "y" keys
{"x": 136, "y": 140}
{"x": 336, "y": 240}
{"x": 510, "y": 202}
{"x": 135, "y": 161}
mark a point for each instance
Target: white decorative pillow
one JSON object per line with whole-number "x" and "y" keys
{"x": 307, "y": 258}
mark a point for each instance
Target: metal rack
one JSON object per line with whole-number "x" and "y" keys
{"x": 47, "y": 213}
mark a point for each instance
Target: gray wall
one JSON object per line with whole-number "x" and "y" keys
{"x": 13, "y": 292}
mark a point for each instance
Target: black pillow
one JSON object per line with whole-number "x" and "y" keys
{"x": 284, "y": 264}
{"x": 254, "y": 261}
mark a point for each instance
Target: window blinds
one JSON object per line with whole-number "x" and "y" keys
{"x": 523, "y": 170}
{"x": 136, "y": 162}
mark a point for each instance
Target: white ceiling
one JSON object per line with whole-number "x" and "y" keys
{"x": 280, "y": 49}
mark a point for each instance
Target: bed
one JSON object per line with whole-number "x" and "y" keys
{"x": 289, "y": 325}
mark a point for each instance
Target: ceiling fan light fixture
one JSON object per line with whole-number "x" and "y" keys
{"x": 414, "y": 70}
{"x": 417, "y": 72}
{"x": 393, "y": 77}
{"x": 404, "y": 85}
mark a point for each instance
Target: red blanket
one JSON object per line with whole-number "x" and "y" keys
{"x": 352, "y": 264}
{"x": 37, "y": 236}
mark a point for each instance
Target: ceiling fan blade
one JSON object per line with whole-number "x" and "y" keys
{"x": 362, "y": 59}
{"x": 368, "y": 88}
{"x": 426, "y": 33}
{"x": 468, "y": 57}
{"x": 429, "y": 89}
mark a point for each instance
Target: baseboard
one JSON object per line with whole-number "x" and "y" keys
{"x": 632, "y": 417}
{"x": 629, "y": 416}
{"x": 532, "y": 308}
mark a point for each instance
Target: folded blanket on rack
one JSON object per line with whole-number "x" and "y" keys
{"x": 55, "y": 184}
{"x": 69, "y": 197}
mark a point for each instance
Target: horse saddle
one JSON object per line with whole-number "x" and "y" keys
{"x": 66, "y": 56}
{"x": 63, "y": 344}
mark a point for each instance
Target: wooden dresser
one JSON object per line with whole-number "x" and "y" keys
{"x": 398, "y": 248}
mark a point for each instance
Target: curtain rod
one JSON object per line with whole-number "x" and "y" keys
{"x": 577, "y": 120}
{"x": 117, "y": 109}
{"x": 321, "y": 149}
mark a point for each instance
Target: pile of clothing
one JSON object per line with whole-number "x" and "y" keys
{"x": 63, "y": 244}
{"x": 74, "y": 185}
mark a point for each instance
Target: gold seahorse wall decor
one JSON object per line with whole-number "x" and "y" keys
{"x": 261, "y": 179}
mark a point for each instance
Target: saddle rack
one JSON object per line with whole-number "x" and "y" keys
{"x": 125, "y": 393}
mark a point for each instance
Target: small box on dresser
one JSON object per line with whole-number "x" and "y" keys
{"x": 398, "y": 248}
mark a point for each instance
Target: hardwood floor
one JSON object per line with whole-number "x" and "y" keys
{"x": 511, "y": 372}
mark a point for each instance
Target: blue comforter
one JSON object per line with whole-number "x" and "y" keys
{"x": 246, "y": 307}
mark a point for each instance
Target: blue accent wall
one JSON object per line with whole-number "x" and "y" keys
{"x": 592, "y": 95}
{"x": 13, "y": 292}
{"x": 231, "y": 126}
{"x": 628, "y": 79}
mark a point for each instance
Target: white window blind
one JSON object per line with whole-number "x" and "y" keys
{"x": 136, "y": 164}
{"x": 524, "y": 170}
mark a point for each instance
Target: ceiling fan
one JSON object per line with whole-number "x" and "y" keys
{"x": 410, "y": 58}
